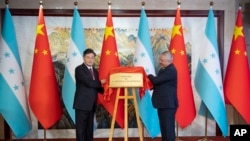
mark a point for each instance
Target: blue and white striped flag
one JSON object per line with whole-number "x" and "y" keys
{"x": 208, "y": 79}
{"x": 74, "y": 58}
{"x": 13, "y": 98}
{"x": 143, "y": 56}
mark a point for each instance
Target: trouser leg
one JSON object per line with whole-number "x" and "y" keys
{"x": 167, "y": 124}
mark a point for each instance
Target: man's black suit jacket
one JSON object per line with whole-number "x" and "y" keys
{"x": 165, "y": 88}
{"x": 87, "y": 89}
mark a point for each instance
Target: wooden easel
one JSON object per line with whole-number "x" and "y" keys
{"x": 126, "y": 97}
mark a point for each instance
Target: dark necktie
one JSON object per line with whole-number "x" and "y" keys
{"x": 92, "y": 73}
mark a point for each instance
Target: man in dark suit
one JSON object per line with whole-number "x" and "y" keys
{"x": 164, "y": 96}
{"x": 88, "y": 86}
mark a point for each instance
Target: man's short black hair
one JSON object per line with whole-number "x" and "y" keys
{"x": 88, "y": 50}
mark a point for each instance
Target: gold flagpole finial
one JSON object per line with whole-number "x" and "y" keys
{"x": 143, "y": 3}
{"x": 41, "y": 2}
{"x": 179, "y": 2}
{"x": 211, "y": 3}
{"x": 240, "y": 4}
{"x": 109, "y": 2}
{"x": 76, "y": 3}
{"x": 7, "y": 2}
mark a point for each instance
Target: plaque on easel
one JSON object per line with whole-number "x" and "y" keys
{"x": 127, "y": 78}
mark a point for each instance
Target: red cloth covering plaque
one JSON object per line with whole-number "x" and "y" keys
{"x": 147, "y": 85}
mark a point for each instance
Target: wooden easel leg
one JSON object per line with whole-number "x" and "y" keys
{"x": 125, "y": 97}
{"x": 114, "y": 115}
{"x": 137, "y": 114}
{"x": 126, "y": 114}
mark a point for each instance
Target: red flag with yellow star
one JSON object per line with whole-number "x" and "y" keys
{"x": 109, "y": 59}
{"x": 237, "y": 77}
{"x": 44, "y": 94}
{"x": 186, "y": 110}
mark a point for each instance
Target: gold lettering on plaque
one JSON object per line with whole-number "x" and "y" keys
{"x": 126, "y": 80}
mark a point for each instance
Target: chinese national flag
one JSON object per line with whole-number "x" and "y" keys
{"x": 186, "y": 111}
{"x": 237, "y": 77}
{"x": 110, "y": 59}
{"x": 44, "y": 95}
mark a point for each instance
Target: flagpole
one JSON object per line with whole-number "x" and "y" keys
{"x": 142, "y": 125}
{"x": 10, "y": 136}
{"x": 237, "y": 113}
{"x": 7, "y": 3}
{"x": 205, "y": 138}
{"x": 44, "y": 130}
{"x": 76, "y": 3}
{"x": 177, "y": 133}
{"x": 44, "y": 134}
{"x": 9, "y": 126}
{"x": 206, "y": 112}
{"x": 177, "y": 125}
{"x": 238, "y": 117}
{"x": 109, "y": 4}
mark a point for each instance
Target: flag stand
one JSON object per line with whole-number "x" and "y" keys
{"x": 237, "y": 117}
{"x": 10, "y": 135}
{"x": 205, "y": 138}
{"x": 126, "y": 97}
{"x": 44, "y": 135}
{"x": 8, "y": 131}
{"x": 177, "y": 133}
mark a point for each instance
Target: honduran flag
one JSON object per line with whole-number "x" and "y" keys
{"x": 208, "y": 79}
{"x": 13, "y": 98}
{"x": 144, "y": 57}
{"x": 74, "y": 58}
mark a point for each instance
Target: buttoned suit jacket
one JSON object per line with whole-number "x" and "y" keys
{"x": 87, "y": 89}
{"x": 165, "y": 88}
